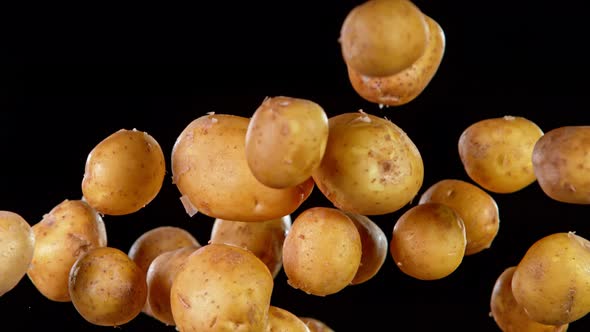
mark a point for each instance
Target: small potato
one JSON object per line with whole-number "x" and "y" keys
{"x": 428, "y": 241}
{"x": 264, "y": 239}
{"x": 383, "y": 37}
{"x": 477, "y": 209}
{"x": 374, "y": 245}
{"x": 322, "y": 251}
{"x": 561, "y": 163}
{"x": 497, "y": 153}
{"x": 221, "y": 288}
{"x": 405, "y": 86}
{"x": 123, "y": 173}
{"x": 285, "y": 141}
{"x": 209, "y": 168}
{"x": 316, "y": 325}
{"x": 552, "y": 280}
{"x": 281, "y": 320}
{"x": 67, "y": 232}
{"x": 508, "y": 314}
{"x": 370, "y": 167}
{"x": 106, "y": 287}
{"x": 17, "y": 243}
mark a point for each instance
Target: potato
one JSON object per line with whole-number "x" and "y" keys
{"x": 383, "y": 37}
{"x": 123, "y": 173}
{"x": 160, "y": 276}
{"x": 17, "y": 242}
{"x": 281, "y": 320}
{"x": 428, "y": 241}
{"x": 552, "y": 280}
{"x": 322, "y": 251}
{"x": 374, "y": 248}
{"x": 477, "y": 209}
{"x": 403, "y": 87}
{"x": 497, "y": 153}
{"x": 209, "y": 168}
{"x": 264, "y": 239}
{"x": 106, "y": 287}
{"x": 370, "y": 167}
{"x": 67, "y": 232}
{"x": 508, "y": 314}
{"x": 561, "y": 163}
{"x": 316, "y": 325}
{"x": 285, "y": 141}
{"x": 221, "y": 288}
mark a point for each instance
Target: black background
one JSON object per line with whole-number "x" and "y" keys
{"x": 85, "y": 72}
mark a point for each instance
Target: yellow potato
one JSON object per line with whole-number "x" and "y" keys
{"x": 552, "y": 280}
{"x": 477, "y": 209}
{"x": 497, "y": 153}
{"x": 209, "y": 168}
{"x": 281, "y": 320}
{"x": 405, "y": 86}
{"x": 561, "y": 163}
{"x": 428, "y": 241}
{"x": 17, "y": 242}
{"x": 322, "y": 251}
{"x": 316, "y": 325}
{"x": 370, "y": 167}
{"x": 221, "y": 288}
{"x": 264, "y": 239}
{"x": 123, "y": 173}
{"x": 286, "y": 140}
{"x": 383, "y": 37}
{"x": 508, "y": 314}
{"x": 107, "y": 288}
{"x": 67, "y": 232}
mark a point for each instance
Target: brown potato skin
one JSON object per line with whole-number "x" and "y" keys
{"x": 508, "y": 314}
{"x": 562, "y": 164}
{"x": 477, "y": 209}
{"x": 383, "y": 37}
{"x": 264, "y": 239}
{"x": 106, "y": 287}
{"x": 316, "y": 325}
{"x": 370, "y": 167}
{"x": 552, "y": 280}
{"x": 123, "y": 173}
{"x": 281, "y": 320}
{"x": 209, "y": 167}
{"x": 67, "y": 232}
{"x": 221, "y": 288}
{"x": 17, "y": 244}
{"x": 322, "y": 251}
{"x": 403, "y": 87}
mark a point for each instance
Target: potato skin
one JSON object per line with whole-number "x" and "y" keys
{"x": 286, "y": 140}
{"x": 67, "y": 232}
{"x": 552, "y": 280}
{"x": 107, "y": 288}
{"x": 383, "y": 37}
{"x": 497, "y": 153}
{"x": 562, "y": 164}
{"x": 281, "y": 320}
{"x": 17, "y": 243}
{"x": 221, "y": 288}
{"x": 123, "y": 173}
{"x": 370, "y": 167}
{"x": 209, "y": 167}
{"x": 316, "y": 325}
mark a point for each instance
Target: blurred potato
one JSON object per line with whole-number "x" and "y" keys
{"x": 281, "y": 320}
{"x": 316, "y": 325}
{"x": 17, "y": 243}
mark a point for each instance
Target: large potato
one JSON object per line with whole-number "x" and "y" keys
{"x": 281, "y": 320}
{"x": 370, "y": 167}
{"x": 286, "y": 140}
{"x": 17, "y": 243}
{"x": 316, "y": 325}
{"x": 405, "y": 86}
{"x": 561, "y": 163}
{"x": 264, "y": 239}
{"x": 497, "y": 153}
{"x": 209, "y": 168}
{"x": 322, "y": 251}
{"x": 123, "y": 173}
{"x": 383, "y": 37}
{"x": 67, "y": 232}
{"x": 477, "y": 209}
{"x": 552, "y": 280}
{"x": 221, "y": 288}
